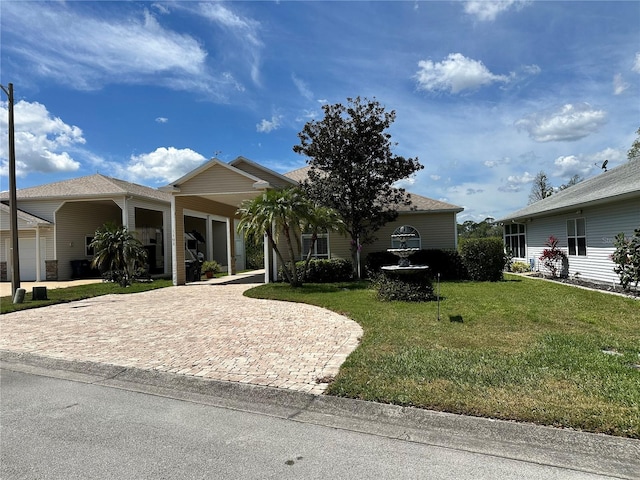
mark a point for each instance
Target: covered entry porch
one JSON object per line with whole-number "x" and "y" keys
{"x": 204, "y": 205}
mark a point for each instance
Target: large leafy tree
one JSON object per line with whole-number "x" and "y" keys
{"x": 484, "y": 229}
{"x": 353, "y": 169}
{"x": 275, "y": 213}
{"x": 117, "y": 253}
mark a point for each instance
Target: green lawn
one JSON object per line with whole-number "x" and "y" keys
{"x": 61, "y": 295}
{"x": 520, "y": 349}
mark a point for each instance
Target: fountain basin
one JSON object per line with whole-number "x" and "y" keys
{"x": 411, "y": 269}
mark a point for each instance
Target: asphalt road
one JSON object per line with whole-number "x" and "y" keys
{"x": 53, "y": 428}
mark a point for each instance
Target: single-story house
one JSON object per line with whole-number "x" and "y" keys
{"x": 585, "y": 218}
{"x": 62, "y": 218}
{"x": 202, "y": 204}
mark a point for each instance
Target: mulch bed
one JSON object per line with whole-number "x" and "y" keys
{"x": 592, "y": 285}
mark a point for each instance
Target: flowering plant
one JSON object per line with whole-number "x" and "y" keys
{"x": 552, "y": 257}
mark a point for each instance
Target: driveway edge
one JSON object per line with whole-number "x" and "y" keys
{"x": 585, "y": 452}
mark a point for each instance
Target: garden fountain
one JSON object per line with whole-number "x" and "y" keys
{"x": 405, "y": 281}
{"x": 402, "y": 235}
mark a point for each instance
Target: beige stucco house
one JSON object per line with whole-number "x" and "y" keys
{"x": 61, "y": 217}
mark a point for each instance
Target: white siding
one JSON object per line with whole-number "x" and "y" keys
{"x": 603, "y": 223}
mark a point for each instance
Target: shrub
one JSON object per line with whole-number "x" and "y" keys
{"x": 627, "y": 259}
{"x": 447, "y": 263}
{"x": 554, "y": 259}
{"x": 520, "y": 267}
{"x": 403, "y": 287}
{"x": 324, "y": 271}
{"x": 484, "y": 258}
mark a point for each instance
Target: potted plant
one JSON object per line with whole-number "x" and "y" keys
{"x": 210, "y": 268}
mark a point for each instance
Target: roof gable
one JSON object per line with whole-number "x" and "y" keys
{"x": 253, "y": 168}
{"x": 616, "y": 184}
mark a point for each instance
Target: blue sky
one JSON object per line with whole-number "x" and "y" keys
{"x": 486, "y": 93}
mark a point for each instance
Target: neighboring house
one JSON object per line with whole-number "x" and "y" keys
{"x": 62, "y": 218}
{"x": 585, "y": 218}
{"x": 202, "y": 205}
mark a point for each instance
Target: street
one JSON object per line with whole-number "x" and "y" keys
{"x": 61, "y": 429}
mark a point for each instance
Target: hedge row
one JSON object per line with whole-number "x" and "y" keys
{"x": 479, "y": 259}
{"x": 324, "y": 271}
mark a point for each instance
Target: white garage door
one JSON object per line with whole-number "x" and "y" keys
{"x": 27, "y": 249}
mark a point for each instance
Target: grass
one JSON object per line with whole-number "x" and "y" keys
{"x": 520, "y": 349}
{"x": 69, "y": 294}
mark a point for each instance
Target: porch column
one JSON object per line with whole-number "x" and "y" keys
{"x": 38, "y": 255}
{"x": 167, "y": 246}
{"x": 231, "y": 260}
{"x": 177, "y": 240}
{"x": 209, "y": 237}
{"x": 267, "y": 260}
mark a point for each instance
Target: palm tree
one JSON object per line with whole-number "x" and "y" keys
{"x": 117, "y": 252}
{"x": 273, "y": 213}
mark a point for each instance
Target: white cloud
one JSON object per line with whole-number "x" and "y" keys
{"x": 532, "y": 69}
{"x": 302, "y": 87}
{"x": 96, "y": 52}
{"x": 42, "y": 141}
{"x": 515, "y": 183}
{"x": 163, "y": 164}
{"x": 636, "y": 64}
{"x": 162, "y": 120}
{"x": 619, "y": 85}
{"x": 245, "y": 30}
{"x": 435, "y": 177}
{"x": 521, "y": 179}
{"x": 455, "y": 74}
{"x": 266, "y": 126}
{"x": 567, "y": 123}
{"x": 488, "y": 10}
{"x": 570, "y": 165}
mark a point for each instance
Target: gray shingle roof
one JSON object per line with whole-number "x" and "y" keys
{"x": 90, "y": 186}
{"x": 418, "y": 202}
{"x": 616, "y": 184}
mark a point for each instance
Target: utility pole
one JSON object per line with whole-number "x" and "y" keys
{"x": 13, "y": 201}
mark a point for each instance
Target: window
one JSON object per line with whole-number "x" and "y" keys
{"x": 320, "y": 249}
{"x": 88, "y": 250}
{"x": 577, "y": 237}
{"x": 407, "y": 234}
{"x": 514, "y": 239}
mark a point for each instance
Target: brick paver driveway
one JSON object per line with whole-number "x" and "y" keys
{"x": 209, "y": 331}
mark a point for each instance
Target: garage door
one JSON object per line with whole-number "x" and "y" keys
{"x": 27, "y": 249}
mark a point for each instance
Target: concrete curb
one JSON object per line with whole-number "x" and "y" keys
{"x": 585, "y": 452}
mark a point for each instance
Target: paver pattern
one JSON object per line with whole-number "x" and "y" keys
{"x": 209, "y": 331}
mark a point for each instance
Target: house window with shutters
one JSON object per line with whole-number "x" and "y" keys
{"x": 577, "y": 237}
